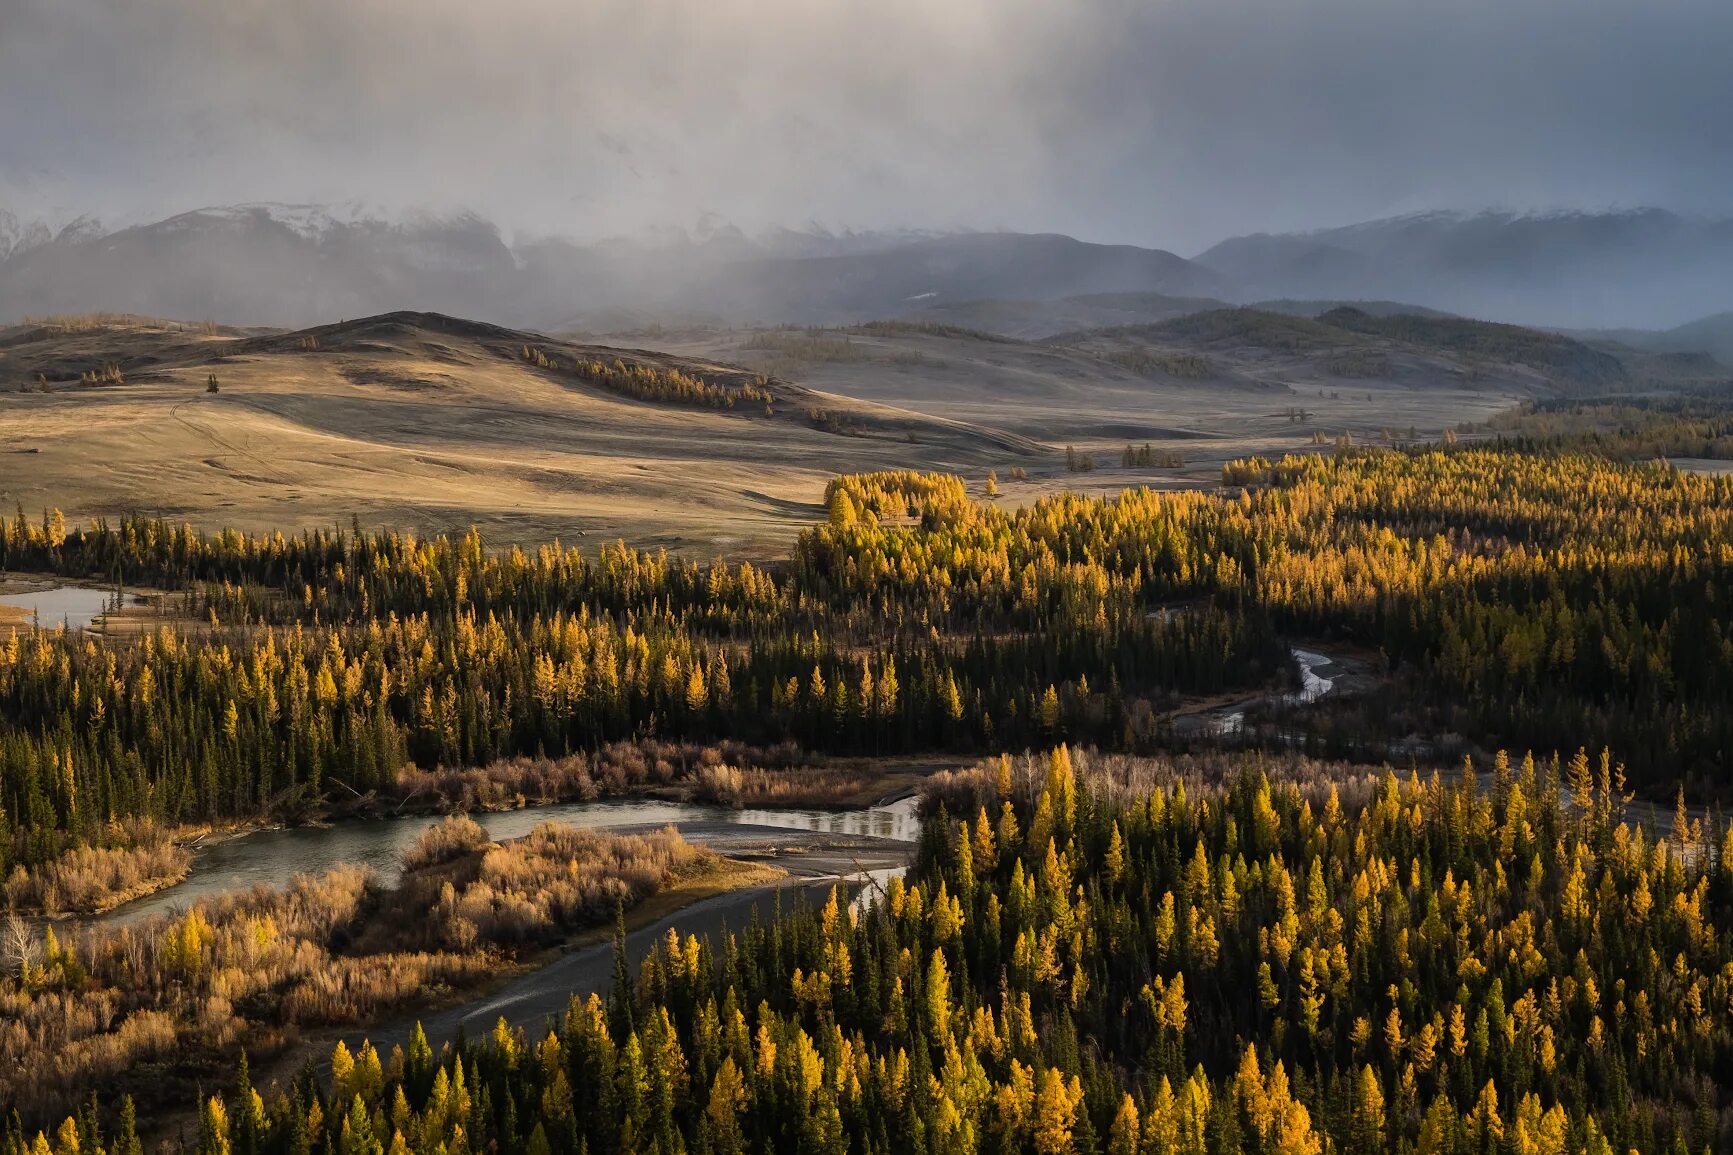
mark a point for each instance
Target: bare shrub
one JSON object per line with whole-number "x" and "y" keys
{"x": 561, "y": 877}
{"x": 617, "y": 769}
{"x": 246, "y": 969}
{"x": 501, "y": 785}
{"x": 720, "y": 784}
{"x": 453, "y": 838}
{"x": 348, "y": 990}
{"x": 22, "y": 950}
{"x": 811, "y": 786}
{"x": 87, "y": 879}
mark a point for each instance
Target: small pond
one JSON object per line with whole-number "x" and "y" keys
{"x": 71, "y": 607}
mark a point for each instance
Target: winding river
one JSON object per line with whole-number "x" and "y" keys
{"x": 273, "y": 857}
{"x": 1313, "y": 685}
{"x": 858, "y": 848}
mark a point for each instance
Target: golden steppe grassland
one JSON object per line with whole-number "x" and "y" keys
{"x": 424, "y": 422}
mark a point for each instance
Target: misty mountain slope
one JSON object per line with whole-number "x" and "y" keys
{"x": 946, "y": 270}
{"x": 1105, "y": 388}
{"x": 301, "y": 265}
{"x": 1639, "y": 268}
{"x": 917, "y": 279}
{"x": 1560, "y": 357}
{"x": 263, "y": 264}
{"x": 1347, "y": 345}
{"x": 1710, "y": 336}
{"x": 1316, "y": 307}
{"x": 429, "y": 421}
{"x": 1033, "y": 320}
{"x": 17, "y": 236}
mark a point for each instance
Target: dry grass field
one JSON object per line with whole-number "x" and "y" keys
{"x": 423, "y": 422}
{"x": 1103, "y": 389}
{"x": 420, "y": 422}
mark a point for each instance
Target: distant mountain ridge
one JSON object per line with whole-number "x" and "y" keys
{"x": 16, "y": 236}
{"x": 1712, "y": 335}
{"x": 263, "y": 264}
{"x": 1642, "y": 268}
{"x": 296, "y": 265}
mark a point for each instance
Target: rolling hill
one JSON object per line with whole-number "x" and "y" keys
{"x": 427, "y": 421}
{"x": 1211, "y": 385}
{"x": 1349, "y": 345}
{"x": 720, "y": 440}
{"x": 954, "y": 269}
{"x": 1034, "y": 320}
{"x": 1710, "y": 336}
{"x": 1565, "y": 360}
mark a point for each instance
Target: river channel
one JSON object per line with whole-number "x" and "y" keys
{"x": 273, "y": 857}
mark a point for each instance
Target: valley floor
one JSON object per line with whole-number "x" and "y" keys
{"x": 436, "y": 425}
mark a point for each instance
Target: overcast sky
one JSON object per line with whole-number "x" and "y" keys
{"x": 1166, "y": 122}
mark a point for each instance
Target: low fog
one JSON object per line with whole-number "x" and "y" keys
{"x": 1155, "y": 122}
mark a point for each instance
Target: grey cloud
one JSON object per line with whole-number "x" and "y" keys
{"x": 1167, "y": 122}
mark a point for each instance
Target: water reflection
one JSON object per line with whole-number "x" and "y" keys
{"x": 74, "y": 607}
{"x": 274, "y": 856}
{"x": 1312, "y": 687}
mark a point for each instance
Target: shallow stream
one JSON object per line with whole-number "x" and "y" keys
{"x": 273, "y": 857}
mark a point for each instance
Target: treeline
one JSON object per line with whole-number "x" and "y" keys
{"x": 1148, "y": 363}
{"x": 1556, "y": 355}
{"x": 1538, "y": 599}
{"x": 1405, "y": 965}
{"x": 647, "y": 382}
{"x": 1520, "y": 597}
{"x": 1628, "y": 428}
{"x": 1146, "y": 457}
{"x": 182, "y": 728}
{"x": 336, "y": 659}
{"x": 1533, "y": 598}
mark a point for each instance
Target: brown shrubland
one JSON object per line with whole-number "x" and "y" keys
{"x": 86, "y": 879}
{"x": 755, "y": 786}
{"x": 456, "y": 836}
{"x": 556, "y": 879}
{"x": 250, "y": 968}
{"x": 616, "y": 769}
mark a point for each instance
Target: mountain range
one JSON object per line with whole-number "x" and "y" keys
{"x": 296, "y": 265}
{"x": 1645, "y": 269}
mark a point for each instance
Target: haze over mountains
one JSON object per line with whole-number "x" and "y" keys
{"x": 300, "y": 265}
{"x": 1645, "y": 268}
